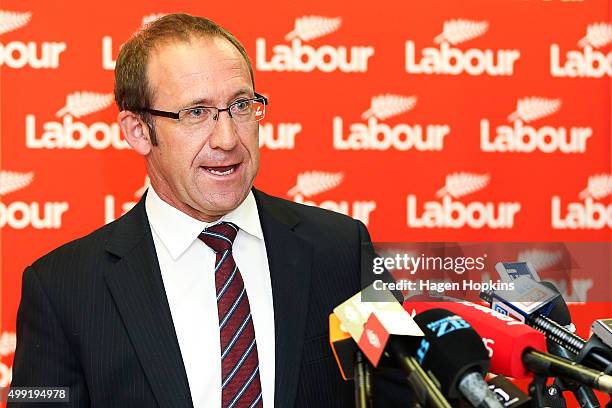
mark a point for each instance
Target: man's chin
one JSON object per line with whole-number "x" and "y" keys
{"x": 219, "y": 204}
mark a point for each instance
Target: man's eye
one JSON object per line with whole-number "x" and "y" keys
{"x": 197, "y": 113}
{"x": 242, "y": 106}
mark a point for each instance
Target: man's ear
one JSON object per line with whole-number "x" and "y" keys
{"x": 135, "y": 131}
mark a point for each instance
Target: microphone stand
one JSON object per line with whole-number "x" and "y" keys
{"x": 543, "y": 396}
{"x": 585, "y": 396}
{"x": 552, "y": 396}
{"x": 363, "y": 382}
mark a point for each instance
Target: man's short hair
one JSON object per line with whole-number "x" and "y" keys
{"x": 132, "y": 89}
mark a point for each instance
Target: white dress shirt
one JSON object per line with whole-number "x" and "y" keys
{"x": 187, "y": 269}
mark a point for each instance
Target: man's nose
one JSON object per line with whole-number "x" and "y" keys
{"x": 224, "y": 134}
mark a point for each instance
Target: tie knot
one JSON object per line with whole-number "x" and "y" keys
{"x": 220, "y": 237}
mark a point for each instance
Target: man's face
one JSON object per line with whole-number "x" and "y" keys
{"x": 204, "y": 174}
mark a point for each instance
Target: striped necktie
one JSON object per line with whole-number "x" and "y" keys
{"x": 240, "y": 384}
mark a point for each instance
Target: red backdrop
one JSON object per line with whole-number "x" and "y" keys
{"x": 429, "y": 120}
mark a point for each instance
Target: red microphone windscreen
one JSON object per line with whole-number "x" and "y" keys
{"x": 505, "y": 339}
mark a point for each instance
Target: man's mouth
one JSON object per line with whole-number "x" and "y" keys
{"x": 221, "y": 170}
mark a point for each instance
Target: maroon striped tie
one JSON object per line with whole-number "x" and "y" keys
{"x": 240, "y": 383}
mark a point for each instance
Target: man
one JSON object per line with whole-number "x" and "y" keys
{"x": 209, "y": 292}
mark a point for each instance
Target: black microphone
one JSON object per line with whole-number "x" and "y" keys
{"x": 455, "y": 354}
{"x": 426, "y": 392}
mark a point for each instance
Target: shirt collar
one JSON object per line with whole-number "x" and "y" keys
{"x": 177, "y": 230}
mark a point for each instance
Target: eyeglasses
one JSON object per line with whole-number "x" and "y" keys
{"x": 242, "y": 111}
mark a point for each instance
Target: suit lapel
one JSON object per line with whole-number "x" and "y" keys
{"x": 289, "y": 259}
{"x": 137, "y": 288}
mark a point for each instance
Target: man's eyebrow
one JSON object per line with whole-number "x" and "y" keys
{"x": 243, "y": 92}
{"x": 247, "y": 92}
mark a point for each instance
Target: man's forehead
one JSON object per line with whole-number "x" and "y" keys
{"x": 215, "y": 48}
{"x": 200, "y": 58}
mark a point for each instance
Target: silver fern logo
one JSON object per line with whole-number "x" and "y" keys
{"x": 311, "y": 183}
{"x": 315, "y": 182}
{"x": 593, "y": 60}
{"x": 12, "y": 20}
{"x": 83, "y": 103}
{"x": 18, "y": 54}
{"x": 34, "y": 214}
{"x": 68, "y": 132}
{"x": 375, "y": 134}
{"x": 524, "y": 133}
{"x": 301, "y": 56}
{"x": 310, "y": 27}
{"x": 449, "y": 212}
{"x": 11, "y": 181}
{"x": 386, "y": 106}
{"x": 597, "y": 35}
{"x": 533, "y": 108}
{"x": 448, "y": 59}
{"x": 599, "y": 186}
{"x": 463, "y": 183}
{"x": 457, "y": 31}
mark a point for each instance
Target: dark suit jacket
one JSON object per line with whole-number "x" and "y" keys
{"x": 94, "y": 314}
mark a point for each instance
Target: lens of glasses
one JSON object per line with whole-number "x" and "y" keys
{"x": 197, "y": 115}
{"x": 248, "y": 111}
{"x": 244, "y": 111}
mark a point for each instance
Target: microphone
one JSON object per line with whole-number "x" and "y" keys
{"x": 525, "y": 354}
{"x": 372, "y": 323}
{"x": 385, "y": 328}
{"x": 593, "y": 353}
{"x": 529, "y": 302}
{"x": 454, "y": 353}
{"x": 562, "y": 340}
{"x": 351, "y": 362}
{"x": 505, "y": 338}
{"x": 557, "y": 323}
{"x": 426, "y": 391}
